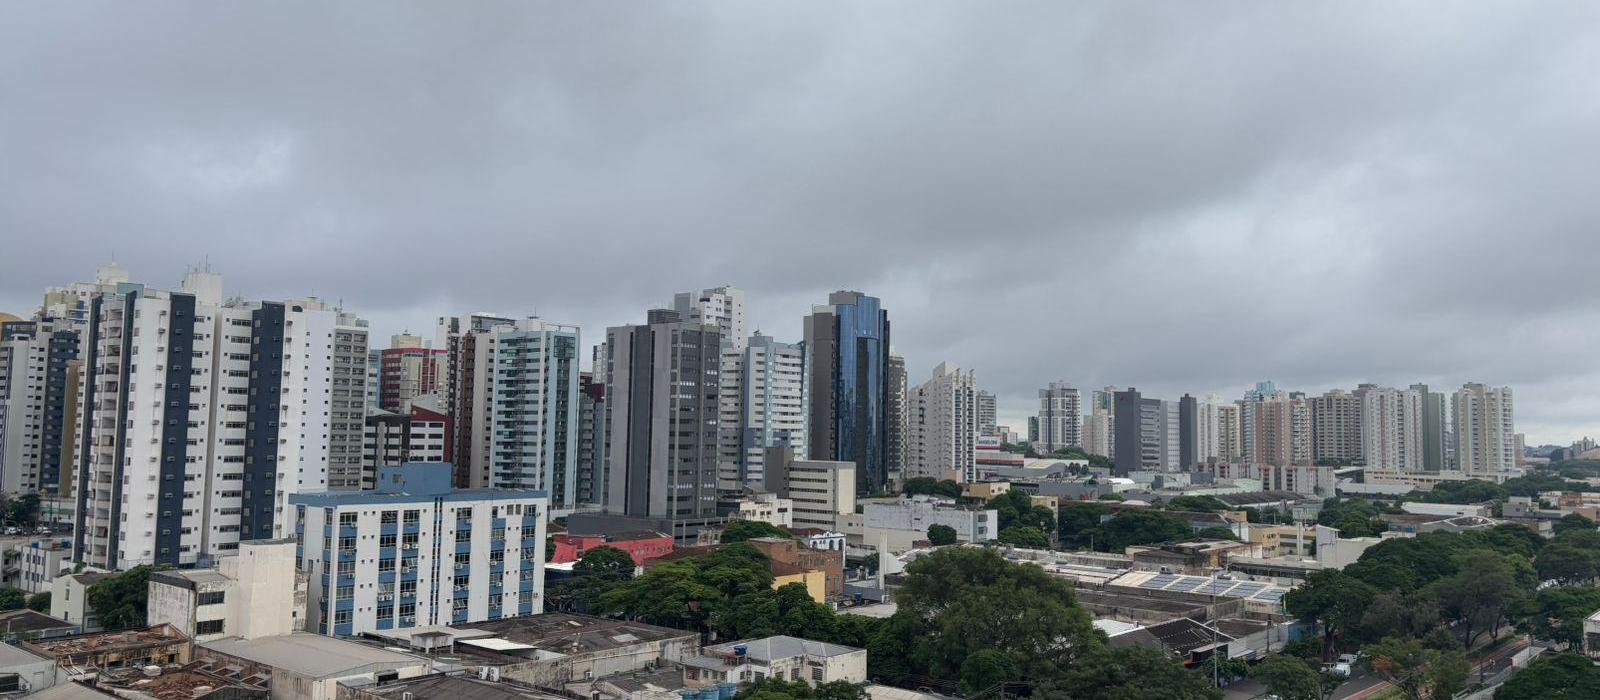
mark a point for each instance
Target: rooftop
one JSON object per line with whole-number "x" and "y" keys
{"x": 782, "y": 647}
{"x": 518, "y": 638}
{"x": 25, "y": 620}
{"x": 1184, "y": 635}
{"x": 179, "y": 684}
{"x": 11, "y": 657}
{"x": 70, "y": 691}
{"x": 1202, "y": 585}
{"x": 453, "y": 687}
{"x": 310, "y": 654}
{"x": 102, "y": 642}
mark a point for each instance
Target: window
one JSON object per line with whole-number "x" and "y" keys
{"x": 386, "y": 540}
{"x": 210, "y": 598}
{"x": 386, "y": 565}
{"x": 347, "y": 520}
{"x": 390, "y": 517}
{"x": 208, "y": 627}
{"x": 341, "y": 617}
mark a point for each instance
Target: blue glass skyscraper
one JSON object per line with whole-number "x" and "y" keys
{"x": 847, "y": 361}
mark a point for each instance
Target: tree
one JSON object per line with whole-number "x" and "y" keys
{"x": 1110, "y": 497}
{"x": 1483, "y": 592}
{"x": 987, "y": 668}
{"x": 778, "y": 689}
{"x": 22, "y": 510}
{"x": 940, "y": 535}
{"x": 1567, "y": 563}
{"x": 1016, "y": 508}
{"x": 929, "y": 486}
{"x": 600, "y": 570}
{"x": 690, "y": 592}
{"x": 1293, "y": 678}
{"x": 39, "y": 602}
{"x": 1024, "y": 536}
{"x": 1354, "y": 517}
{"x": 1573, "y": 522}
{"x": 1462, "y": 492}
{"x": 1080, "y": 523}
{"x": 1554, "y": 677}
{"x": 1419, "y": 673}
{"x": 1407, "y": 614}
{"x": 1132, "y": 673}
{"x": 958, "y": 601}
{"x": 119, "y": 601}
{"x": 1560, "y": 614}
{"x": 12, "y": 599}
{"x": 605, "y": 564}
{"x": 1331, "y": 599}
{"x": 741, "y": 530}
{"x": 1139, "y": 526}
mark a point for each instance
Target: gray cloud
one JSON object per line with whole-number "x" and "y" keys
{"x": 1179, "y": 197}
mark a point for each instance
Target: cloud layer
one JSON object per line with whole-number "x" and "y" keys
{"x": 1182, "y": 197}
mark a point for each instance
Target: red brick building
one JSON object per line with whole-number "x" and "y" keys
{"x": 642, "y": 546}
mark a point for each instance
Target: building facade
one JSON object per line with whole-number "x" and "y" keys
{"x": 421, "y": 434}
{"x": 408, "y": 369}
{"x": 36, "y": 359}
{"x": 847, "y": 363}
{"x": 1485, "y": 429}
{"x": 1059, "y": 423}
{"x": 722, "y": 307}
{"x": 819, "y": 491}
{"x": 1336, "y": 420}
{"x": 1391, "y": 429}
{"x": 255, "y": 592}
{"x": 412, "y": 552}
{"x": 762, "y": 404}
{"x": 943, "y": 424}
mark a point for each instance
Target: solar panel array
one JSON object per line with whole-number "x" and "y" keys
{"x": 1202, "y": 585}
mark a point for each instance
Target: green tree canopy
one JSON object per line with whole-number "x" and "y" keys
{"x": 929, "y": 486}
{"x": 986, "y": 668}
{"x": 1419, "y": 673}
{"x": 1016, "y": 508}
{"x": 1131, "y": 673}
{"x": 39, "y": 602}
{"x": 1292, "y": 678}
{"x": 1560, "y": 613}
{"x": 1332, "y": 600}
{"x": 777, "y": 689}
{"x": 12, "y": 599}
{"x": 119, "y": 601}
{"x": 1140, "y": 526}
{"x": 741, "y": 530}
{"x": 1215, "y": 533}
{"x": 1567, "y": 676}
{"x": 1196, "y": 504}
{"x": 1025, "y": 536}
{"x": 1354, "y": 517}
{"x": 1461, "y": 492}
{"x": 940, "y": 535}
{"x": 1573, "y": 522}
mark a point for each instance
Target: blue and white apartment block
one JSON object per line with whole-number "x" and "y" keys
{"x": 413, "y": 552}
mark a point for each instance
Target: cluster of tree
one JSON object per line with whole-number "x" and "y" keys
{"x": 1194, "y": 504}
{"x": 777, "y": 689}
{"x": 1462, "y": 492}
{"x": 968, "y": 618}
{"x": 1566, "y": 675}
{"x": 741, "y": 530}
{"x": 941, "y": 535}
{"x": 16, "y": 599}
{"x": 1292, "y": 677}
{"x": 1354, "y": 517}
{"x": 20, "y": 510}
{"x": 1098, "y": 526}
{"x": 929, "y": 486}
{"x": 1574, "y": 468}
{"x": 1412, "y": 605}
{"x": 120, "y": 601}
{"x": 1023, "y": 524}
{"x": 728, "y": 591}
{"x": 597, "y": 572}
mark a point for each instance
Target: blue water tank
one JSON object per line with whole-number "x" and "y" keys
{"x": 710, "y": 693}
{"x": 689, "y": 694}
{"x": 728, "y": 690}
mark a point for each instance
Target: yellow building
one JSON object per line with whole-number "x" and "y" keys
{"x": 815, "y": 581}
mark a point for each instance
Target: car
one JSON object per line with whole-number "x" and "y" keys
{"x": 13, "y": 531}
{"x": 1341, "y": 669}
{"x": 1348, "y": 659}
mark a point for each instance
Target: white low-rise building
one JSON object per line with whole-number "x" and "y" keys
{"x": 908, "y": 519}
{"x": 414, "y": 552}
{"x": 784, "y": 658}
{"x": 305, "y": 666}
{"x": 255, "y": 593}
{"x": 69, "y": 599}
{"x": 767, "y": 508}
{"x": 40, "y": 562}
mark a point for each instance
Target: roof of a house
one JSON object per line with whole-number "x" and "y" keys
{"x": 25, "y": 620}
{"x": 11, "y": 657}
{"x": 783, "y": 647}
{"x": 1184, "y": 635}
{"x": 565, "y": 633}
{"x": 70, "y": 691}
{"x": 453, "y": 687}
{"x": 310, "y": 654}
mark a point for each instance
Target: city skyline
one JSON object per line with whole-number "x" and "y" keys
{"x": 1168, "y": 202}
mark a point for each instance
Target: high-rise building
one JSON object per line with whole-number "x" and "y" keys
{"x": 1336, "y": 427}
{"x": 408, "y": 369}
{"x": 1099, "y": 426}
{"x": 722, "y": 307}
{"x": 35, "y": 361}
{"x": 1209, "y": 438}
{"x": 1188, "y": 432}
{"x": 533, "y": 398}
{"x": 1058, "y": 418}
{"x": 467, "y": 385}
{"x": 1485, "y": 430}
{"x": 944, "y": 425}
{"x": 821, "y": 491}
{"x": 1147, "y": 434}
{"x": 898, "y": 419}
{"x": 988, "y": 415}
{"x": 421, "y": 434}
{"x": 200, "y": 417}
{"x": 415, "y": 553}
{"x": 1277, "y": 429}
{"x": 662, "y": 387}
{"x": 1230, "y": 447}
{"x": 1435, "y": 429}
{"x": 591, "y": 437}
{"x": 1391, "y": 428}
{"x": 762, "y": 405}
{"x": 374, "y": 378}
{"x": 1033, "y": 431}
{"x": 847, "y": 366}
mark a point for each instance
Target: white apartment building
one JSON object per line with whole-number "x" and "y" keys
{"x": 761, "y": 404}
{"x": 789, "y": 659}
{"x": 1337, "y": 419}
{"x": 1059, "y": 408}
{"x": 35, "y": 360}
{"x": 820, "y": 491}
{"x": 988, "y": 415}
{"x": 943, "y": 425}
{"x": 255, "y": 592}
{"x": 1485, "y": 430}
{"x": 1391, "y": 428}
{"x": 515, "y": 407}
{"x": 413, "y": 553}
{"x": 722, "y": 307}
{"x": 916, "y": 514}
{"x": 198, "y": 418}
{"x": 1208, "y": 429}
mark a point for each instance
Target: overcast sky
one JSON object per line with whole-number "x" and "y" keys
{"x": 1177, "y": 196}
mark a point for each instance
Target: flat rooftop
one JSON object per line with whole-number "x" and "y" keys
{"x": 25, "y": 620}
{"x": 180, "y": 684}
{"x": 453, "y": 687}
{"x": 310, "y": 654}
{"x": 520, "y": 638}
{"x": 103, "y": 642}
